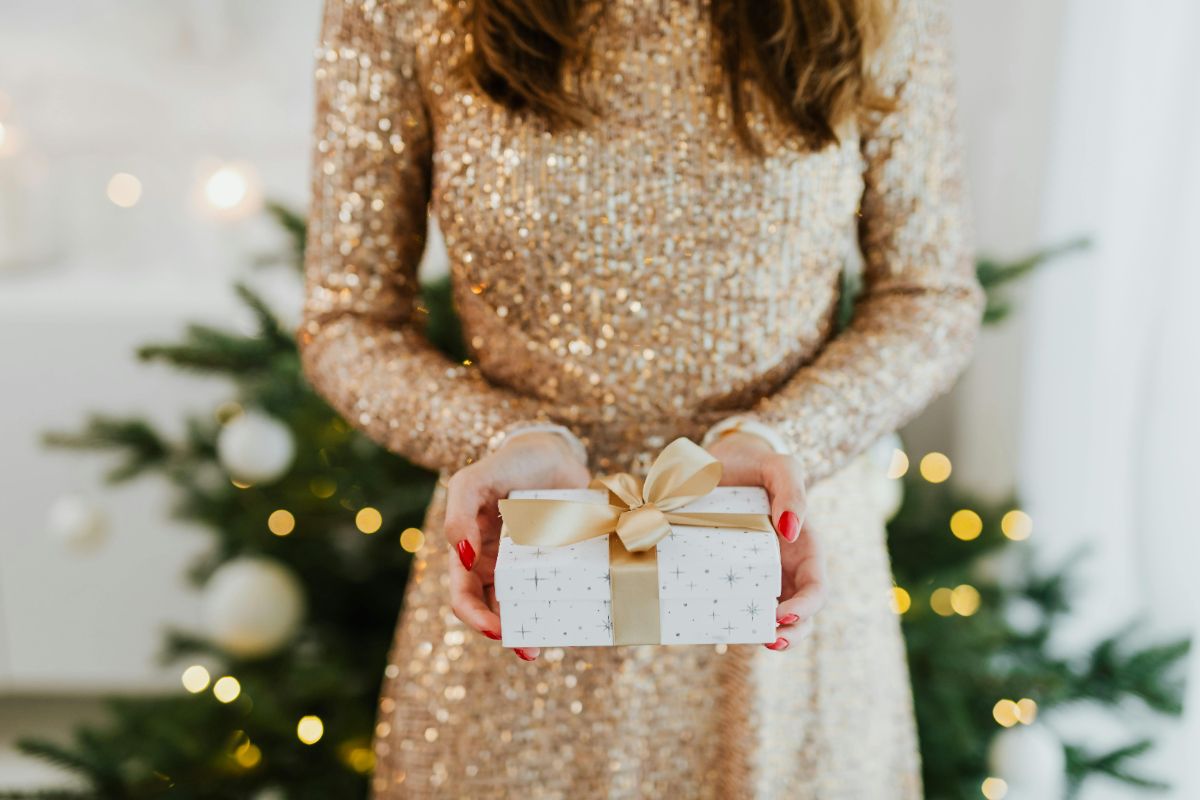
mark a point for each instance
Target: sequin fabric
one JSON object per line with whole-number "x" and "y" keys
{"x": 636, "y": 280}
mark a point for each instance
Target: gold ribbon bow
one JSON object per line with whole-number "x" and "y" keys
{"x": 640, "y": 513}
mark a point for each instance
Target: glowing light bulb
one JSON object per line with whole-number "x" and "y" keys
{"x": 935, "y": 467}
{"x": 124, "y": 190}
{"x": 281, "y": 522}
{"x": 1027, "y": 711}
{"x": 1016, "y": 525}
{"x": 940, "y": 602}
{"x": 195, "y": 679}
{"x": 1006, "y": 713}
{"x": 412, "y": 539}
{"x": 227, "y": 689}
{"x": 226, "y": 188}
{"x": 898, "y": 465}
{"x": 965, "y": 524}
{"x": 901, "y": 600}
{"x": 310, "y": 729}
{"x": 964, "y": 600}
{"x": 368, "y": 520}
{"x": 994, "y": 789}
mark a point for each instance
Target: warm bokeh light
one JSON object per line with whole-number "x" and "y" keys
{"x": 195, "y": 679}
{"x": 226, "y": 188}
{"x": 941, "y": 602}
{"x": 240, "y": 484}
{"x": 964, "y": 600}
{"x": 1027, "y": 711}
{"x": 323, "y": 488}
{"x": 359, "y": 756}
{"x": 10, "y": 140}
{"x": 310, "y": 729}
{"x": 994, "y": 788}
{"x": 124, "y": 190}
{"x": 281, "y": 522}
{"x": 412, "y": 539}
{"x": 1016, "y": 525}
{"x": 965, "y": 524}
{"x": 1006, "y": 713}
{"x": 935, "y": 467}
{"x": 227, "y": 689}
{"x": 247, "y": 755}
{"x": 901, "y": 600}
{"x": 899, "y": 464}
{"x": 368, "y": 520}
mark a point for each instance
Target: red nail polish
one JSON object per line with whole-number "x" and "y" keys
{"x": 789, "y": 525}
{"x": 787, "y": 619}
{"x": 779, "y": 644}
{"x": 492, "y": 635}
{"x": 466, "y": 554}
{"x": 523, "y": 654}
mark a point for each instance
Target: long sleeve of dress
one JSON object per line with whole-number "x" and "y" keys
{"x": 361, "y": 340}
{"x": 916, "y": 319}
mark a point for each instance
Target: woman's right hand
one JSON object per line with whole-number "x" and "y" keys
{"x": 534, "y": 460}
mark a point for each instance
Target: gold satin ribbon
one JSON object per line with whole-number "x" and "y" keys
{"x": 640, "y": 513}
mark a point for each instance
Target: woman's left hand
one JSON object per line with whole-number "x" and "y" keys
{"x": 748, "y": 460}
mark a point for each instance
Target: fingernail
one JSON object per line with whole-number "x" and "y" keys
{"x": 523, "y": 654}
{"x": 787, "y": 619}
{"x": 779, "y": 644}
{"x": 789, "y": 526}
{"x": 492, "y": 635}
{"x": 466, "y": 554}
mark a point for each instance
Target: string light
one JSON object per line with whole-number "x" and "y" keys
{"x": 965, "y": 524}
{"x": 1006, "y": 713}
{"x": 994, "y": 788}
{"x": 310, "y": 729}
{"x": 941, "y": 601}
{"x": 230, "y": 190}
{"x": 247, "y": 754}
{"x": 227, "y": 689}
{"x": 281, "y": 522}
{"x": 124, "y": 190}
{"x": 1016, "y": 525}
{"x": 368, "y": 520}
{"x": 964, "y": 600}
{"x": 195, "y": 679}
{"x": 358, "y": 756}
{"x": 323, "y": 488}
{"x": 935, "y": 467}
{"x": 901, "y": 600}
{"x": 1027, "y": 711}
{"x": 412, "y": 539}
{"x": 898, "y": 465}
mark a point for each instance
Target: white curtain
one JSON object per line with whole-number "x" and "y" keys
{"x": 1110, "y": 434}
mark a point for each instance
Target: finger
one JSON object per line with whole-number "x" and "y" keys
{"x": 783, "y": 478}
{"x": 803, "y": 605}
{"x": 527, "y": 653}
{"x": 464, "y": 500}
{"x": 797, "y": 632}
{"x": 468, "y": 603}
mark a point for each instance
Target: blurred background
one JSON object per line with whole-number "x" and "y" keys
{"x": 140, "y": 142}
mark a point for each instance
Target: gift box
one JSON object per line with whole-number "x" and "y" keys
{"x": 671, "y": 562}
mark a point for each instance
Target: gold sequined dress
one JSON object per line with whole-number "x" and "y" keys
{"x": 636, "y": 280}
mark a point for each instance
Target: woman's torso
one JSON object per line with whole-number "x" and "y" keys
{"x": 647, "y": 269}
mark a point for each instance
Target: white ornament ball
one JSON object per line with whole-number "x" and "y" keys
{"x": 1023, "y": 615}
{"x": 77, "y": 522}
{"x": 251, "y": 606}
{"x": 1031, "y": 760}
{"x": 255, "y": 448}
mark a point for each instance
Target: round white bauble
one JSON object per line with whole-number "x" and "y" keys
{"x": 251, "y": 606}
{"x": 255, "y": 448}
{"x": 76, "y": 521}
{"x": 1031, "y": 760}
{"x": 1023, "y": 615}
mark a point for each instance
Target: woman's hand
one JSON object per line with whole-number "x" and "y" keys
{"x": 535, "y": 460}
{"x": 748, "y": 460}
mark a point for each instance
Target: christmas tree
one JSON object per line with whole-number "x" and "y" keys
{"x": 314, "y": 529}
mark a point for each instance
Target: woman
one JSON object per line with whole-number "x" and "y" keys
{"x": 647, "y": 207}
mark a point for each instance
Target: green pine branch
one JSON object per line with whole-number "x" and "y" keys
{"x": 1115, "y": 764}
{"x": 143, "y": 448}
